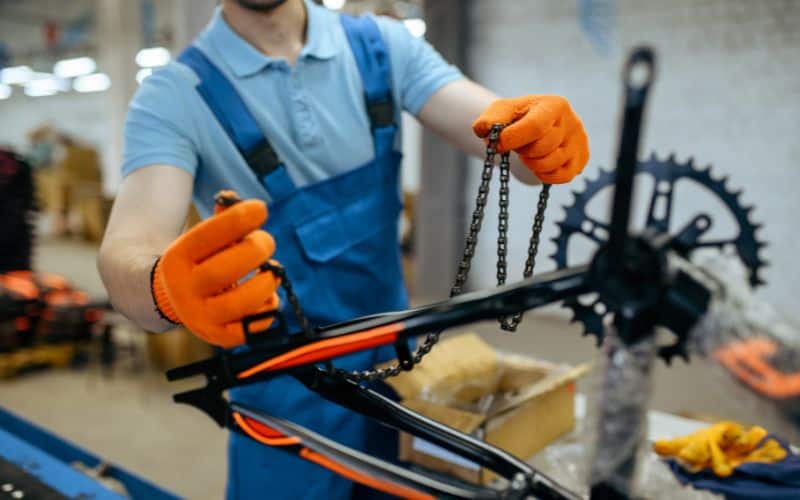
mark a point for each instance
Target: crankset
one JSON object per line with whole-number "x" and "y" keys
{"x": 667, "y": 176}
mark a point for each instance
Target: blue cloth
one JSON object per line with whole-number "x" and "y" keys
{"x": 312, "y": 112}
{"x": 333, "y": 204}
{"x": 776, "y": 481}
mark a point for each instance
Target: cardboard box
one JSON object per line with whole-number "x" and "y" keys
{"x": 176, "y": 347}
{"x": 516, "y": 403}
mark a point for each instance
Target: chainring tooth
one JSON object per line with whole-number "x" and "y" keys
{"x": 668, "y": 352}
{"x": 586, "y": 315}
{"x": 746, "y": 244}
{"x": 591, "y": 321}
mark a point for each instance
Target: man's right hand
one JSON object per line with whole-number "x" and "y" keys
{"x": 196, "y": 280}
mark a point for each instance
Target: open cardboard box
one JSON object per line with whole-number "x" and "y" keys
{"x": 516, "y": 403}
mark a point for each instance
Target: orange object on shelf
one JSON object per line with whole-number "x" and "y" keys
{"x": 748, "y": 361}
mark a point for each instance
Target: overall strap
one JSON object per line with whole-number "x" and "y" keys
{"x": 372, "y": 59}
{"x": 231, "y": 112}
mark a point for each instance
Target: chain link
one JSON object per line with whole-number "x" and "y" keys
{"x": 507, "y": 323}
{"x": 432, "y": 338}
{"x": 510, "y": 323}
{"x": 294, "y": 302}
{"x": 476, "y": 223}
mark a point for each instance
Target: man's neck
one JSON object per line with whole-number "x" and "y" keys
{"x": 277, "y": 33}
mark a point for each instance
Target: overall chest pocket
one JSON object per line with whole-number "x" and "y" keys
{"x": 352, "y": 259}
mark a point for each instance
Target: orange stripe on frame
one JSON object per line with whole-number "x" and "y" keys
{"x": 329, "y": 348}
{"x": 267, "y": 435}
{"x": 375, "y": 483}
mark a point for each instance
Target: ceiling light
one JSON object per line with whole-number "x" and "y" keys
{"x": 152, "y": 57}
{"x": 416, "y": 26}
{"x": 39, "y": 91}
{"x": 142, "y": 74}
{"x": 44, "y": 86}
{"x": 334, "y": 4}
{"x": 60, "y": 84}
{"x": 5, "y": 91}
{"x": 70, "y": 68}
{"x": 96, "y": 82}
{"x": 15, "y": 75}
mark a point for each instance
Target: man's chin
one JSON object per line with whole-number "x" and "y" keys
{"x": 260, "y": 5}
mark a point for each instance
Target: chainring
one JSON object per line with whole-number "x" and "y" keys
{"x": 665, "y": 173}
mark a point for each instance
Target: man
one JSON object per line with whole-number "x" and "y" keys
{"x": 293, "y": 105}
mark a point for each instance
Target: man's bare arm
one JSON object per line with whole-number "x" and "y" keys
{"x": 149, "y": 213}
{"x": 450, "y": 112}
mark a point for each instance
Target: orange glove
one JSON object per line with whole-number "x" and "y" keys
{"x": 196, "y": 280}
{"x": 545, "y": 132}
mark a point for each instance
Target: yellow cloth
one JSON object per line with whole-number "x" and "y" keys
{"x": 721, "y": 448}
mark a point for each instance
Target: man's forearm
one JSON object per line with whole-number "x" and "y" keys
{"x": 125, "y": 267}
{"x": 450, "y": 113}
{"x": 148, "y": 214}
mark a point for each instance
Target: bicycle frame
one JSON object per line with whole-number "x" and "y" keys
{"x": 632, "y": 273}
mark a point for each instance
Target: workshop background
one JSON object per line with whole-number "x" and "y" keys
{"x": 727, "y": 95}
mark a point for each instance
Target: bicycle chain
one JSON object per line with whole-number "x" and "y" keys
{"x": 506, "y": 323}
{"x": 294, "y": 302}
{"x": 511, "y": 323}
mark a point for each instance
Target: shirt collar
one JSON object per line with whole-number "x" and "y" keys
{"x": 245, "y": 60}
{"x": 320, "y": 40}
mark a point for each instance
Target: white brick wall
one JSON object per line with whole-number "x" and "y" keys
{"x": 727, "y": 93}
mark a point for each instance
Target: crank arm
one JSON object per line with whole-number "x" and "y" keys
{"x": 627, "y": 154}
{"x": 633, "y": 325}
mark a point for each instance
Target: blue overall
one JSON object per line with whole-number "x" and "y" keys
{"x": 338, "y": 241}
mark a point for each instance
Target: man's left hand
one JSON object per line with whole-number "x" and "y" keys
{"x": 543, "y": 130}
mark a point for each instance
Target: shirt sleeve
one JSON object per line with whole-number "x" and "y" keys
{"x": 157, "y": 126}
{"x": 418, "y": 70}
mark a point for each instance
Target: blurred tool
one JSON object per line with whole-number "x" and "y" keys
{"x": 756, "y": 362}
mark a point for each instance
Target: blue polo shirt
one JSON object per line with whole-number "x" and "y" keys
{"x": 313, "y": 112}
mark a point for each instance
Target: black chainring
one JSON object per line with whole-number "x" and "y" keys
{"x": 665, "y": 174}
